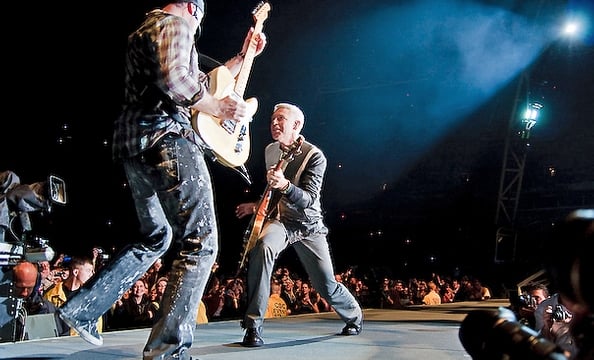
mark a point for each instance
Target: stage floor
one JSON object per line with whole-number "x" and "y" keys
{"x": 419, "y": 332}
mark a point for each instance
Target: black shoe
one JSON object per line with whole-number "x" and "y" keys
{"x": 252, "y": 338}
{"x": 351, "y": 329}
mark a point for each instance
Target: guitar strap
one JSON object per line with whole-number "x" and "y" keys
{"x": 311, "y": 151}
{"x": 207, "y": 63}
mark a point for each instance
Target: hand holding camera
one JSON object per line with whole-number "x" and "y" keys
{"x": 559, "y": 313}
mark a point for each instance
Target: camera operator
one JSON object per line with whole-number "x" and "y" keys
{"x": 571, "y": 272}
{"x": 496, "y": 335}
{"x": 26, "y": 281}
{"x": 533, "y": 295}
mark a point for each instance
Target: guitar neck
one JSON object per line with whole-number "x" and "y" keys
{"x": 260, "y": 14}
{"x": 244, "y": 72}
{"x": 263, "y": 206}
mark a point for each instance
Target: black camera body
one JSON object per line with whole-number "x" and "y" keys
{"x": 560, "y": 313}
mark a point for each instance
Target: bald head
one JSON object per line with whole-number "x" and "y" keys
{"x": 25, "y": 277}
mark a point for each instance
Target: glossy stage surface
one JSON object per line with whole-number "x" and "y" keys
{"x": 418, "y": 332}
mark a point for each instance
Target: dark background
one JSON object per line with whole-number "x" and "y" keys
{"x": 410, "y": 101}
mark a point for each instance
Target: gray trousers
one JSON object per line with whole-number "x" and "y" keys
{"x": 314, "y": 254}
{"x": 173, "y": 196}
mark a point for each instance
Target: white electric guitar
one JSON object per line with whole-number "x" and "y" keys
{"x": 228, "y": 139}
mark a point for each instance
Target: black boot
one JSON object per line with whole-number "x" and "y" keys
{"x": 252, "y": 337}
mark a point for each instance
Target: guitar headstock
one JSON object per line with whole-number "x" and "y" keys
{"x": 293, "y": 150}
{"x": 260, "y": 12}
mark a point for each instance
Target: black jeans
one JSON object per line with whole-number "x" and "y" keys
{"x": 172, "y": 191}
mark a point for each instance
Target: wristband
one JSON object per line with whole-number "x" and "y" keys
{"x": 285, "y": 190}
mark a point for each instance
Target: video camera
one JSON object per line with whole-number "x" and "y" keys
{"x": 17, "y": 240}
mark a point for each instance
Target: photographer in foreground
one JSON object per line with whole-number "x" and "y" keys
{"x": 572, "y": 275}
{"x": 533, "y": 295}
{"x": 553, "y": 322}
{"x": 496, "y": 334}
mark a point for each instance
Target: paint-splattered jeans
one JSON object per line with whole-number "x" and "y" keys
{"x": 172, "y": 191}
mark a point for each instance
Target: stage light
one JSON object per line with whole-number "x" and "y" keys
{"x": 575, "y": 27}
{"x": 571, "y": 28}
{"x": 531, "y": 115}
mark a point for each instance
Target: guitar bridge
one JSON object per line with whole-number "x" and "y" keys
{"x": 229, "y": 126}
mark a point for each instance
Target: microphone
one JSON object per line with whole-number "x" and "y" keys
{"x": 496, "y": 335}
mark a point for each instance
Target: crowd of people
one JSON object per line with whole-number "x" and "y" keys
{"x": 225, "y": 298}
{"x": 46, "y": 286}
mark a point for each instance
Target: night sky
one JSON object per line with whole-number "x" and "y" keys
{"x": 409, "y": 100}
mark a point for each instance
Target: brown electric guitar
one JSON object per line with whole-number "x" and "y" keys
{"x": 264, "y": 205}
{"x": 228, "y": 139}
